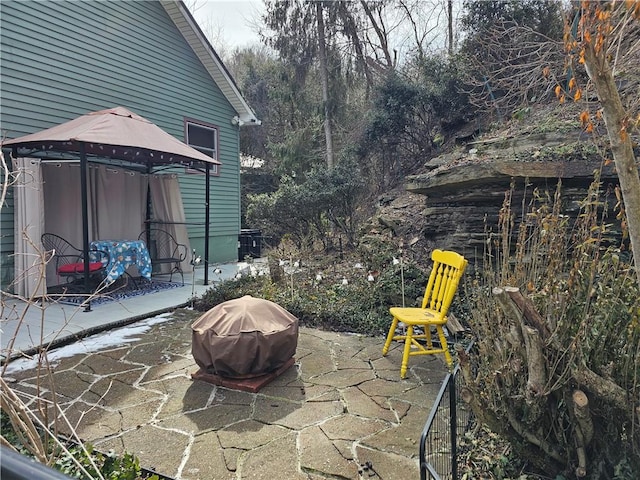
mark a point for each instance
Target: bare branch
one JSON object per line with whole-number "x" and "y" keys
{"x": 518, "y": 67}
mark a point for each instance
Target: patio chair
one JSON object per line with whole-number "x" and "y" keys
{"x": 164, "y": 249}
{"x": 447, "y": 270}
{"x": 69, "y": 260}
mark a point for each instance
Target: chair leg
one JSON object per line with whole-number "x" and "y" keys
{"x": 390, "y": 335}
{"x": 407, "y": 350}
{"x": 177, "y": 269}
{"x": 427, "y": 334}
{"x": 444, "y": 346}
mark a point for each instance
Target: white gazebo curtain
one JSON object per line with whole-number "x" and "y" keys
{"x": 50, "y": 201}
{"x": 168, "y": 212}
{"x": 29, "y": 258}
{"x": 118, "y": 198}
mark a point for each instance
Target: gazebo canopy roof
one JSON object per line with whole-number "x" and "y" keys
{"x": 116, "y": 133}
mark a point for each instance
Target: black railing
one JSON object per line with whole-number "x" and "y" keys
{"x": 15, "y": 466}
{"x": 447, "y": 422}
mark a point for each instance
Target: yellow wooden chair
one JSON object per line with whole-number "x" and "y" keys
{"x": 447, "y": 270}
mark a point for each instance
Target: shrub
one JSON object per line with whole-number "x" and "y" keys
{"x": 360, "y": 306}
{"x": 556, "y": 373}
{"x": 78, "y": 461}
{"x": 305, "y": 210}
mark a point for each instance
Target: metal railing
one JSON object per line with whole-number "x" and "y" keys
{"x": 15, "y": 466}
{"x": 447, "y": 422}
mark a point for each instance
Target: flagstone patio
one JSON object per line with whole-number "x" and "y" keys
{"x": 340, "y": 406}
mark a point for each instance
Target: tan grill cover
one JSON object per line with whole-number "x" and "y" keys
{"x": 244, "y": 337}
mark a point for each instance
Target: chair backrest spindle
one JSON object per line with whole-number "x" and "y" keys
{"x": 445, "y": 275}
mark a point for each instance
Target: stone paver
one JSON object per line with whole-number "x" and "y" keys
{"x": 278, "y": 459}
{"x": 296, "y": 416}
{"x": 341, "y": 405}
{"x": 319, "y": 454}
{"x": 358, "y": 403}
{"x": 158, "y": 449}
{"x": 388, "y": 466}
{"x": 249, "y": 434}
{"x": 109, "y": 391}
{"x": 104, "y": 364}
{"x": 211, "y": 418}
{"x": 70, "y": 384}
{"x": 206, "y": 459}
{"x": 404, "y": 438}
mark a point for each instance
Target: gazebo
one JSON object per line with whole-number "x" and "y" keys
{"x": 114, "y": 137}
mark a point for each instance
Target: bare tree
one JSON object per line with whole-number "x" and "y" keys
{"x": 605, "y": 38}
{"x": 212, "y": 28}
{"x": 425, "y": 20}
{"x": 512, "y": 68}
{"x": 324, "y": 77}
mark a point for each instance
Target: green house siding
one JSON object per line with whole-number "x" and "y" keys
{"x": 62, "y": 59}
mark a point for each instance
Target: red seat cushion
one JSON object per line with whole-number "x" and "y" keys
{"x": 78, "y": 267}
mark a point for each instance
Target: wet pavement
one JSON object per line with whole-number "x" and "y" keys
{"x": 341, "y": 406}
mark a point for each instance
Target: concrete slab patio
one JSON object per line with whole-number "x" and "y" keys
{"x": 341, "y": 405}
{"x": 27, "y": 327}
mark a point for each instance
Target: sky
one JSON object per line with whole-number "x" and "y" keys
{"x": 229, "y": 19}
{"x": 231, "y": 24}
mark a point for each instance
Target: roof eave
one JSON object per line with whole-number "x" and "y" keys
{"x": 186, "y": 24}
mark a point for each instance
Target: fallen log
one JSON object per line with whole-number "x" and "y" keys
{"x": 604, "y": 388}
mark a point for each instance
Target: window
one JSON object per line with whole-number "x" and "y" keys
{"x": 204, "y": 138}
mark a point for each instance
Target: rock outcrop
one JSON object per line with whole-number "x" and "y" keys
{"x": 458, "y": 199}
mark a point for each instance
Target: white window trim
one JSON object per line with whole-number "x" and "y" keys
{"x": 213, "y": 153}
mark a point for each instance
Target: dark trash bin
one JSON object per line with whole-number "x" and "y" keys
{"x": 249, "y": 243}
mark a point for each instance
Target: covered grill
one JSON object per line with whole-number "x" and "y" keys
{"x": 244, "y": 337}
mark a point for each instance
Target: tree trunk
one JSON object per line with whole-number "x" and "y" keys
{"x": 616, "y": 120}
{"x": 520, "y": 313}
{"x": 382, "y": 36}
{"x": 324, "y": 75}
{"x": 450, "y": 25}
{"x": 583, "y": 430}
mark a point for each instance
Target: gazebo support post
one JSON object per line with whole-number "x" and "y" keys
{"x": 206, "y": 223}
{"x": 147, "y": 216}
{"x": 85, "y": 220}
